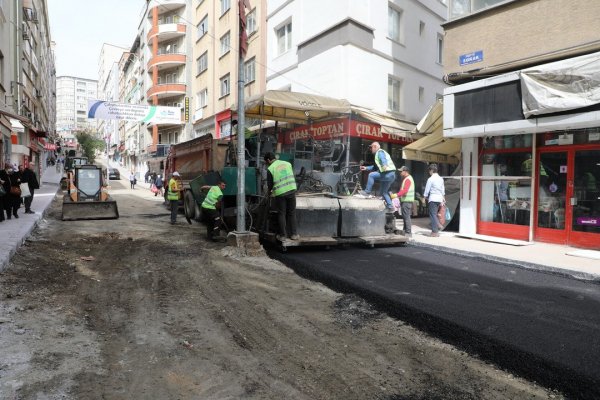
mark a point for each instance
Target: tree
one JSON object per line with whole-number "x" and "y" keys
{"x": 89, "y": 143}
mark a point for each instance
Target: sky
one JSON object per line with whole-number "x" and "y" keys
{"x": 80, "y": 27}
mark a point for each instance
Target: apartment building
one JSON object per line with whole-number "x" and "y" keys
{"x": 27, "y": 81}
{"x": 526, "y": 105}
{"x": 382, "y": 56}
{"x": 216, "y": 60}
{"x": 72, "y": 95}
{"x": 108, "y": 90}
{"x": 167, "y": 42}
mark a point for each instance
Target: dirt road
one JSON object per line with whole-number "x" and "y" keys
{"x": 138, "y": 309}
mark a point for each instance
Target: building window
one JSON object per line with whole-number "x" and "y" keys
{"x": 203, "y": 27}
{"x": 225, "y": 6}
{"x": 225, "y": 41}
{"x": 440, "y": 48}
{"x": 225, "y": 128}
{"x": 284, "y": 38}
{"x": 394, "y": 92}
{"x": 202, "y": 98}
{"x": 251, "y": 22}
{"x": 202, "y": 63}
{"x": 421, "y": 28}
{"x": 225, "y": 86}
{"x": 395, "y": 24}
{"x": 250, "y": 70}
{"x": 421, "y": 94}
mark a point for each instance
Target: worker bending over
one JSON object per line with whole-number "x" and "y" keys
{"x": 210, "y": 208}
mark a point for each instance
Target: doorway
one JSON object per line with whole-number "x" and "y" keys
{"x": 568, "y": 196}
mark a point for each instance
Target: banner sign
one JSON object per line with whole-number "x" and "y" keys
{"x": 98, "y": 109}
{"x": 341, "y": 127}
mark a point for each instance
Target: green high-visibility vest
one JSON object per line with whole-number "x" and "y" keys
{"x": 212, "y": 198}
{"x": 389, "y": 166}
{"x": 283, "y": 177}
{"x": 409, "y": 197}
{"x": 171, "y": 195}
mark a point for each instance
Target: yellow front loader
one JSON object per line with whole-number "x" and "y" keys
{"x": 86, "y": 196}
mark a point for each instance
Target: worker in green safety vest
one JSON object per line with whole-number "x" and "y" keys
{"x": 173, "y": 194}
{"x": 282, "y": 187}
{"x": 210, "y": 209}
{"x": 407, "y": 199}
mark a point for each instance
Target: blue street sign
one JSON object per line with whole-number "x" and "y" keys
{"x": 471, "y": 58}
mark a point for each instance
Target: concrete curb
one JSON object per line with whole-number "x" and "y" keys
{"x": 580, "y": 275}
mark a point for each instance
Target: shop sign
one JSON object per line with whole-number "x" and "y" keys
{"x": 588, "y": 221}
{"x": 340, "y": 127}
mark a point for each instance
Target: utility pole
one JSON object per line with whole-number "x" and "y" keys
{"x": 241, "y": 159}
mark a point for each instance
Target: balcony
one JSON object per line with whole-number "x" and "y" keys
{"x": 165, "y": 5}
{"x": 167, "y": 60}
{"x": 167, "y": 31}
{"x": 166, "y": 90}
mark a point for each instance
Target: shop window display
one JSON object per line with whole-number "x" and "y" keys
{"x": 506, "y": 201}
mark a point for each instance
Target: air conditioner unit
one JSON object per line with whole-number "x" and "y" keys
{"x": 180, "y": 105}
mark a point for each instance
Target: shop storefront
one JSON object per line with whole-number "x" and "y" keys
{"x": 534, "y": 178}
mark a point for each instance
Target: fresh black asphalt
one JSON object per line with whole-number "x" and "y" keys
{"x": 542, "y": 326}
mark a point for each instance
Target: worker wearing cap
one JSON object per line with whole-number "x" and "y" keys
{"x": 407, "y": 198}
{"x": 385, "y": 174}
{"x": 173, "y": 194}
{"x": 210, "y": 206}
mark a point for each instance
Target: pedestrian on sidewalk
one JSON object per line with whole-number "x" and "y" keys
{"x": 147, "y": 176}
{"x": 173, "y": 195}
{"x": 407, "y": 199}
{"x": 211, "y": 209}
{"x": 28, "y": 176}
{"x": 435, "y": 193}
{"x": 158, "y": 182}
{"x": 132, "y": 180}
{"x": 12, "y": 199}
{"x": 385, "y": 173}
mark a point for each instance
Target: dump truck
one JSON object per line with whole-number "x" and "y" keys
{"x": 326, "y": 212}
{"x": 86, "y": 196}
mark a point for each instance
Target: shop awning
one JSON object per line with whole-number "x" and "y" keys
{"x": 433, "y": 147}
{"x": 16, "y": 125}
{"x": 388, "y": 124}
{"x": 294, "y": 107}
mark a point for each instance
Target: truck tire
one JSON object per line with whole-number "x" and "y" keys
{"x": 189, "y": 206}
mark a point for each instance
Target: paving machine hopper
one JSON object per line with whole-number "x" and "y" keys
{"x": 86, "y": 197}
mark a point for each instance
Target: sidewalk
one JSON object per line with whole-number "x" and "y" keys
{"x": 558, "y": 259}
{"x": 16, "y": 231}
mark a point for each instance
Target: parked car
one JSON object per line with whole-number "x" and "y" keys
{"x": 113, "y": 173}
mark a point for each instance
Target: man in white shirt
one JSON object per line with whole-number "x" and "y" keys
{"x": 434, "y": 193}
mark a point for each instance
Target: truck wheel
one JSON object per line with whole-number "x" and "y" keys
{"x": 189, "y": 206}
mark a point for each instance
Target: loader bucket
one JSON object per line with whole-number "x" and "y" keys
{"x": 82, "y": 210}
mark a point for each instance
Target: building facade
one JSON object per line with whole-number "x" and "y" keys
{"x": 530, "y": 159}
{"x": 72, "y": 95}
{"x": 27, "y": 82}
{"x": 382, "y": 56}
{"x": 216, "y": 60}
{"x": 109, "y": 90}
